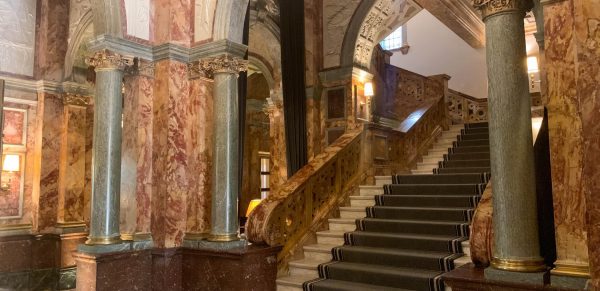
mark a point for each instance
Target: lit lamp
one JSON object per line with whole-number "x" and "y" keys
{"x": 369, "y": 89}
{"x": 532, "y": 68}
{"x": 252, "y": 205}
{"x": 11, "y": 164}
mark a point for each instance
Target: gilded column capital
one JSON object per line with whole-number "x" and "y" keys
{"x": 76, "y": 99}
{"x": 224, "y": 63}
{"x": 492, "y": 7}
{"x": 107, "y": 60}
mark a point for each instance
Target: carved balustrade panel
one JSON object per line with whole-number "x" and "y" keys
{"x": 463, "y": 108}
{"x": 306, "y": 199}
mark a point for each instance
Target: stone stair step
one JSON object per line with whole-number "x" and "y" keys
{"x": 382, "y": 180}
{"x": 352, "y": 212}
{"x": 330, "y": 237}
{"x": 293, "y": 283}
{"x": 370, "y": 190}
{"x": 319, "y": 252}
{"x": 363, "y": 201}
{"x": 343, "y": 224}
{"x": 462, "y": 261}
{"x": 304, "y": 267}
{"x": 422, "y": 172}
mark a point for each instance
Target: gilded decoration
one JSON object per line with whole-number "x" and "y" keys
{"x": 224, "y": 63}
{"x": 106, "y": 60}
{"x": 492, "y": 7}
{"x": 76, "y": 99}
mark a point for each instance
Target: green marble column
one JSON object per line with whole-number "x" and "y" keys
{"x": 224, "y": 215}
{"x": 106, "y": 152}
{"x": 516, "y": 240}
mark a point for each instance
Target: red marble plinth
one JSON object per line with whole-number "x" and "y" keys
{"x": 251, "y": 268}
{"x": 114, "y": 271}
{"x": 471, "y": 278}
{"x": 166, "y": 269}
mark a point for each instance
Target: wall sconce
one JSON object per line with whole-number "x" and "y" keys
{"x": 10, "y": 164}
{"x": 369, "y": 89}
{"x": 252, "y": 205}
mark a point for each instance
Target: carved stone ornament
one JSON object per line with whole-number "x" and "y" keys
{"x": 223, "y": 64}
{"x": 76, "y": 99}
{"x": 491, "y": 7}
{"x": 106, "y": 59}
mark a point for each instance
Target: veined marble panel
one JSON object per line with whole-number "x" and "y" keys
{"x": 203, "y": 19}
{"x": 17, "y": 36}
{"x": 336, "y": 16}
{"x": 77, "y": 10}
{"x": 138, "y": 18}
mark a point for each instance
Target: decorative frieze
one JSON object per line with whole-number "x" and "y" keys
{"x": 76, "y": 99}
{"x": 492, "y": 7}
{"x": 224, "y": 63}
{"x": 105, "y": 59}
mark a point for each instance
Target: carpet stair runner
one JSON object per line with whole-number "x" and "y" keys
{"x": 307, "y": 269}
{"x": 415, "y": 230}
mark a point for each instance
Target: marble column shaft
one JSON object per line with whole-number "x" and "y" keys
{"x": 516, "y": 242}
{"x": 224, "y": 214}
{"x": 106, "y": 167}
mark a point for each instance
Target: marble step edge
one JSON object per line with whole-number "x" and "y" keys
{"x": 295, "y": 280}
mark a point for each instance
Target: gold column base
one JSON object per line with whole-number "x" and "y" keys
{"x": 223, "y": 237}
{"x": 571, "y": 270}
{"x": 525, "y": 266}
{"x": 103, "y": 240}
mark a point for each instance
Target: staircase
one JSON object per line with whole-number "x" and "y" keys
{"x": 411, "y": 234}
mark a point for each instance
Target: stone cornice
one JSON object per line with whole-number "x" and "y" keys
{"x": 168, "y": 50}
{"x": 492, "y": 7}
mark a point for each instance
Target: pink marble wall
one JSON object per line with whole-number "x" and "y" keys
{"x": 566, "y": 135}
{"x": 72, "y": 165}
{"x": 14, "y": 127}
{"x": 173, "y": 21}
{"x": 136, "y": 155}
{"x": 52, "y": 31}
{"x": 201, "y": 147}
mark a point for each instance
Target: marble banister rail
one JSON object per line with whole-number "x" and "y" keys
{"x": 302, "y": 205}
{"x": 463, "y": 108}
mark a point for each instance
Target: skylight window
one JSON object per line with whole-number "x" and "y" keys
{"x": 393, "y": 41}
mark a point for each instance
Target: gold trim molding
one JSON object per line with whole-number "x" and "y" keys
{"x": 571, "y": 270}
{"x": 11, "y": 227}
{"x": 493, "y": 7}
{"x": 138, "y": 236}
{"x": 525, "y": 266}
{"x": 103, "y": 240}
{"x": 71, "y": 224}
{"x": 107, "y": 60}
{"x": 223, "y": 237}
{"x": 76, "y": 99}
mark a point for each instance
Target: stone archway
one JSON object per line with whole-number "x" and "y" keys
{"x": 372, "y": 21}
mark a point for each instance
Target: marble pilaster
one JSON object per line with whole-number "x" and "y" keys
{"x": 571, "y": 36}
{"x": 51, "y": 39}
{"x": 201, "y": 129}
{"x": 136, "y": 156}
{"x": 224, "y": 213}
{"x": 106, "y": 172}
{"x": 50, "y": 110}
{"x": 516, "y": 240}
{"x": 278, "y": 169}
{"x": 72, "y": 161}
{"x": 171, "y": 177}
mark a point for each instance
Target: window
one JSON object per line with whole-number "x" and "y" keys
{"x": 393, "y": 41}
